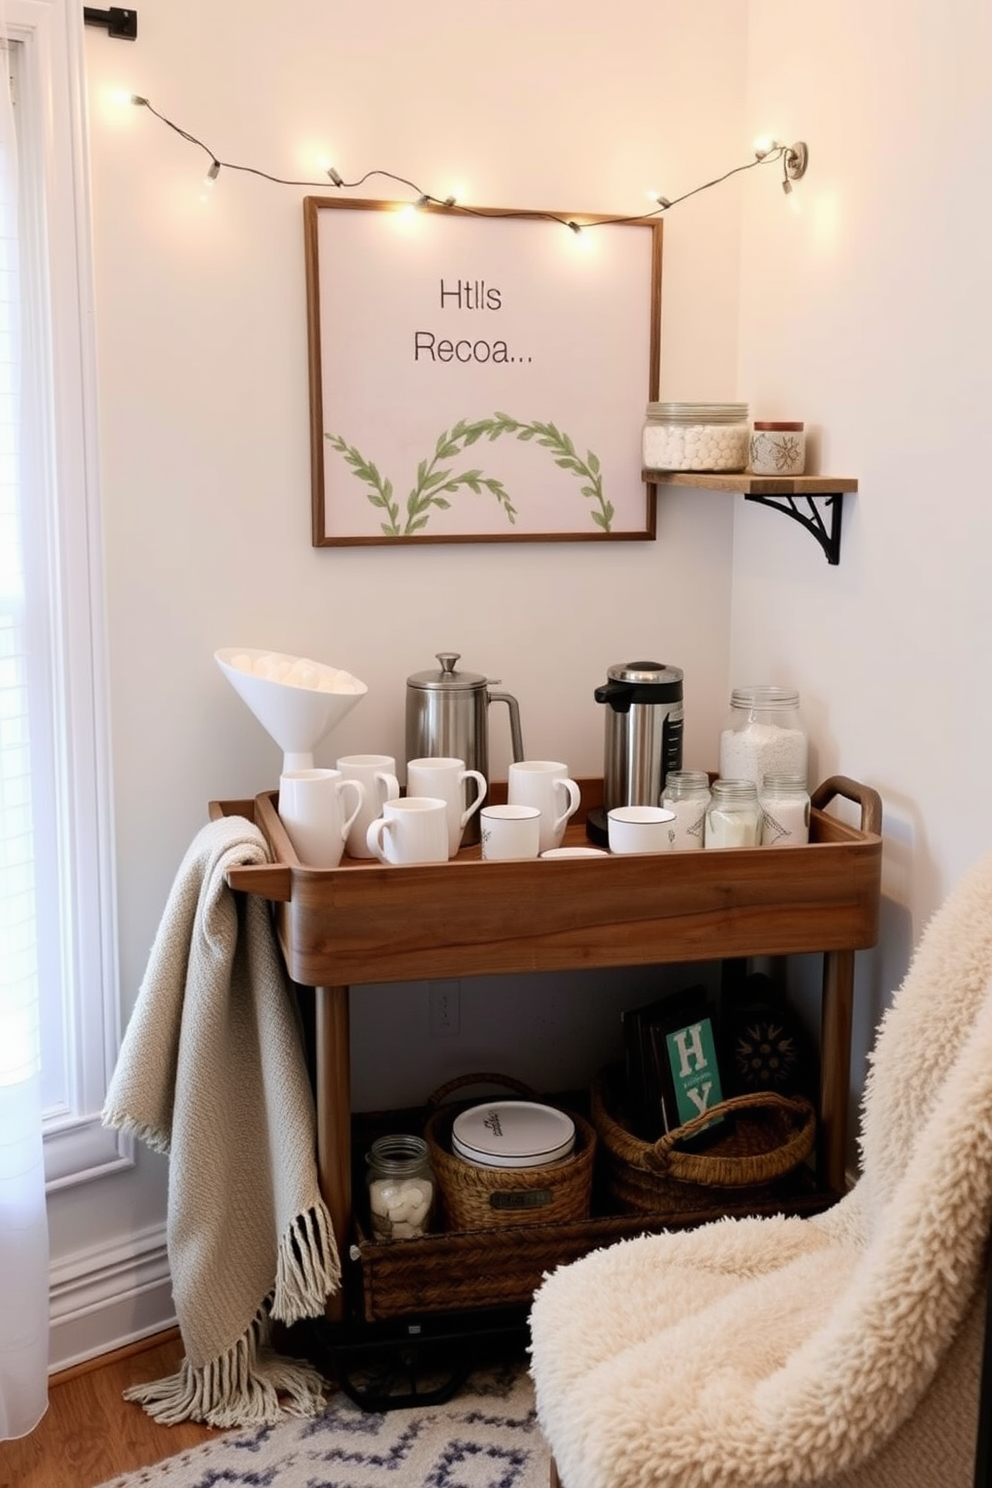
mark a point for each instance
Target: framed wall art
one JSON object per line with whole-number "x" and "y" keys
{"x": 479, "y": 375}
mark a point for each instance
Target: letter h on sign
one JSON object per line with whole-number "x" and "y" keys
{"x": 692, "y": 1058}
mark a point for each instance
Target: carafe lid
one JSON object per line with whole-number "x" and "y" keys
{"x": 644, "y": 673}
{"x": 448, "y": 679}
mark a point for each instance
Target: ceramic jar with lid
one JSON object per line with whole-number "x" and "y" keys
{"x": 778, "y": 447}
{"x": 695, "y": 436}
{"x": 734, "y": 816}
{"x": 687, "y": 793}
{"x": 399, "y": 1182}
{"x": 764, "y": 735}
{"x": 513, "y": 1134}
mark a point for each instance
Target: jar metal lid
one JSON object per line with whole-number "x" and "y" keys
{"x": 780, "y": 426}
{"x": 513, "y": 1134}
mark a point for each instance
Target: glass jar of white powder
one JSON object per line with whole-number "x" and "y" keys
{"x": 400, "y": 1185}
{"x": 695, "y": 436}
{"x": 734, "y": 817}
{"x": 764, "y": 735}
{"x": 785, "y": 807}
{"x": 687, "y": 793}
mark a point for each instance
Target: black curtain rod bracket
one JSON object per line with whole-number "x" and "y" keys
{"x": 122, "y": 23}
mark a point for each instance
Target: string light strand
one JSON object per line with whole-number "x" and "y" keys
{"x": 794, "y": 160}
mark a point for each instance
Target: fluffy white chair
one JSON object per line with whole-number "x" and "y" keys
{"x": 842, "y": 1349}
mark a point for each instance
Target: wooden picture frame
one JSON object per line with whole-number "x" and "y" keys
{"x": 479, "y": 375}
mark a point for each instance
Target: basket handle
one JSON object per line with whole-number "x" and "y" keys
{"x": 699, "y": 1167}
{"x": 443, "y": 1091}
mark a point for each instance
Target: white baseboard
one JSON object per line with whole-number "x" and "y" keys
{"x": 104, "y": 1298}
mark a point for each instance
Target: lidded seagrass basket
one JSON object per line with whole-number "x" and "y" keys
{"x": 474, "y": 1195}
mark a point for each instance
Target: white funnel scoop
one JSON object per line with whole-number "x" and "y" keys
{"x": 296, "y": 700}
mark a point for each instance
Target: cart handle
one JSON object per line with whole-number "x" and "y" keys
{"x": 869, "y": 800}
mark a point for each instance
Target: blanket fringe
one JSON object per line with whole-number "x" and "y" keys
{"x": 308, "y": 1268}
{"x": 157, "y": 1140}
{"x": 249, "y": 1385}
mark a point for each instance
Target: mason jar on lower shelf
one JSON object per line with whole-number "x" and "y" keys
{"x": 399, "y": 1181}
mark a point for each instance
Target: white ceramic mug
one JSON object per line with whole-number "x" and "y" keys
{"x": 546, "y": 785}
{"x": 413, "y": 829}
{"x": 639, "y": 829}
{"x": 448, "y": 778}
{"x": 317, "y": 808}
{"x": 510, "y": 831}
{"x": 377, "y": 775}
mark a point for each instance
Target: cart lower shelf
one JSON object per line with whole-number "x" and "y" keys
{"x": 484, "y": 1268}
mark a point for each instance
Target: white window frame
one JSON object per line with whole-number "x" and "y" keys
{"x": 60, "y": 394}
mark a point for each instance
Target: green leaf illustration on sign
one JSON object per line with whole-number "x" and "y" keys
{"x": 435, "y": 482}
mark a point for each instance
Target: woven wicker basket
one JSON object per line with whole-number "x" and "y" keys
{"x": 475, "y": 1197}
{"x": 770, "y": 1136}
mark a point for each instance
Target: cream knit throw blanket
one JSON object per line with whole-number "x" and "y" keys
{"x": 212, "y": 1072}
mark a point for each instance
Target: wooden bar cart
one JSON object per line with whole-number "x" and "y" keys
{"x": 366, "y": 922}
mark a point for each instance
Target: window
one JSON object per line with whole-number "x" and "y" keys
{"x": 61, "y": 596}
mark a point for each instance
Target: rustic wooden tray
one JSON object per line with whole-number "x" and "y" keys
{"x": 366, "y": 921}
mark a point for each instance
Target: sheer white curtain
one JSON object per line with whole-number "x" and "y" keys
{"x": 23, "y": 1221}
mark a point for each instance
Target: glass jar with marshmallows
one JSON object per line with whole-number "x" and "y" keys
{"x": 695, "y": 436}
{"x": 400, "y": 1185}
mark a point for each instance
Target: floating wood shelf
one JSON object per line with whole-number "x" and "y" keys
{"x": 780, "y": 492}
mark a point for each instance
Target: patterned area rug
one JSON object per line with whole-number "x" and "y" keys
{"x": 486, "y": 1436}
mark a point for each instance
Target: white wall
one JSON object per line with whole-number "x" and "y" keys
{"x": 870, "y": 317}
{"x": 204, "y": 409}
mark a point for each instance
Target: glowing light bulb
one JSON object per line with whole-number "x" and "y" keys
{"x": 207, "y": 184}
{"x": 764, "y": 145}
{"x": 326, "y": 165}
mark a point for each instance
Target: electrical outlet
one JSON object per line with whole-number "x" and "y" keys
{"x": 444, "y": 999}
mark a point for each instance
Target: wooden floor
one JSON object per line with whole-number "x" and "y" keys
{"x": 90, "y": 1433}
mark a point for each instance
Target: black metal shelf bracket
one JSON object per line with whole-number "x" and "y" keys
{"x": 828, "y": 536}
{"x": 121, "y": 23}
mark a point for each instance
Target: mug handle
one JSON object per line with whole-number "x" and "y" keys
{"x": 388, "y": 787}
{"x": 374, "y": 835}
{"x": 480, "y": 781}
{"x": 358, "y": 788}
{"x": 572, "y": 790}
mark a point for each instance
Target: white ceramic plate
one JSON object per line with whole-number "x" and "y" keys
{"x": 575, "y": 852}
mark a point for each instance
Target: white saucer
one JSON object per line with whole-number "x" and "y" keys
{"x": 575, "y": 852}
